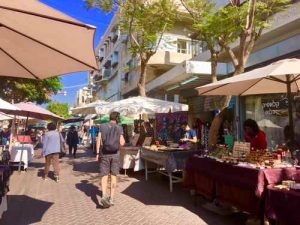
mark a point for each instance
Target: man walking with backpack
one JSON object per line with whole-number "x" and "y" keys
{"x": 110, "y": 139}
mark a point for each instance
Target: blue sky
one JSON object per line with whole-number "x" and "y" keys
{"x": 77, "y": 9}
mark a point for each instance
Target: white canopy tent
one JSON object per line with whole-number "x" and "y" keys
{"x": 135, "y": 106}
{"x": 89, "y": 108}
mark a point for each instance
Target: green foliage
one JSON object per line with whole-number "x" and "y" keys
{"x": 61, "y": 109}
{"x": 145, "y": 22}
{"x": 219, "y": 28}
{"x": 20, "y": 90}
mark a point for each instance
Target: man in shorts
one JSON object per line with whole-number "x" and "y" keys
{"x": 110, "y": 139}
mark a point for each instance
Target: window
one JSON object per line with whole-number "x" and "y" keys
{"x": 182, "y": 46}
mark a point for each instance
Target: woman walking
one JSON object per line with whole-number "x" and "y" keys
{"x": 72, "y": 140}
{"x": 51, "y": 149}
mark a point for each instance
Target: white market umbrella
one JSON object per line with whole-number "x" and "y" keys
{"x": 39, "y": 42}
{"x": 6, "y": 107}
{"x": 135, "y": 106}
{"x": 88, "y": 108}
{"x": 279, "y": 77}
{"x": 4, "y": 116}
{"x": 266, "y": 123}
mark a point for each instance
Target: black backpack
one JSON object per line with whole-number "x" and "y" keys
{"x": 111, "y": 142}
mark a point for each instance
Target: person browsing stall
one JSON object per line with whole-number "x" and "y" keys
{"x": 190, "y": 135}
{"x": 110, "y": 139}
{"x": 256, "y": 137}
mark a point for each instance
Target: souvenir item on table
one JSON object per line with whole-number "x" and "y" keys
{"x": 241, "y": 149}
{"x": 219, "y": 152}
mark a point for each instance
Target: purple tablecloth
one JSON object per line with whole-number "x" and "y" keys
{"x": 282, "y": 206}
{"x": 243, "y": 187}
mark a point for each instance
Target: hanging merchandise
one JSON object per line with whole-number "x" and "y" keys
{"x": 204, "y": 135}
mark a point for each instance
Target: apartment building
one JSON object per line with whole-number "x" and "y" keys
{"x": 281, "y": 40}
{"x": 119, "y": 71}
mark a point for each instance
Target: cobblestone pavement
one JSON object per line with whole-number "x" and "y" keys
{"x": 75, "y": 199}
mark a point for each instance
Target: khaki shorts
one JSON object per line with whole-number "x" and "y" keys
{"x": 109, "y": 164}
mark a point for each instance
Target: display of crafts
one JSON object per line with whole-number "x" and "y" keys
{"x": 255, "y": 158}
{"x": 288, "y": 184}
{"x": 219, "y": 152}
{"x": 261, "y": 158}
{"x": 156, "y": 147}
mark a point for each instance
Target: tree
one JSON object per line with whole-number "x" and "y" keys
{"x": 21, "y": 89}
{"x": 61, "y": 109}
{"x": 145, "y": 22}
{"x": 242, "y": 22}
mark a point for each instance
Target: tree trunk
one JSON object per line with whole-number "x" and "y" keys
{"x": 214, "y": 65}
{"x": 142, "y": 80}
{"x": 218, "y": 120}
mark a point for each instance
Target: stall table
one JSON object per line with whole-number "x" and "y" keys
{"x": 128, "y": 157}
{"x": 241, "y": 186}
{"x": 282, "y": 206}
{"x": 23, "y": 153}
{"x": 168, "y": 161}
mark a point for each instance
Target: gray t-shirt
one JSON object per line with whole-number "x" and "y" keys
{"x": 110, "y": 134}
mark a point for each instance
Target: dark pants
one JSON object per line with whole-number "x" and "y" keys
{"x": 72, "y": 147}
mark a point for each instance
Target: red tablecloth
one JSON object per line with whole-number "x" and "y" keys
{"x": 243, "y": 187}
{"x": 282, "y": 206}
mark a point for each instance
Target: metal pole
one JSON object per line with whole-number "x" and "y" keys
{"x": 12, "y": 131}
{"x": 22, "y": 149}
{"x": 290, "y": 105}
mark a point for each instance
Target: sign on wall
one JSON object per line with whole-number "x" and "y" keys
{"x": 275, "y": 106}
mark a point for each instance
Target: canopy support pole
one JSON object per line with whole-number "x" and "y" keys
{"x": 290, "y": 105}
{"x": 22, "y": 149}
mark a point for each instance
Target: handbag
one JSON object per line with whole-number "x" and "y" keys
{"x": 62, "y": 147}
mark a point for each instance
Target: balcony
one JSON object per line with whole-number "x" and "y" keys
{"x": 168, "y": 58}
{"x": 115, "y": 35}
{"x": 115, "y": 59}
{"x": 105, "y": 75}
{"x": 101, "y": 54}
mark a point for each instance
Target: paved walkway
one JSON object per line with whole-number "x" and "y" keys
{"x": 74, "y": 201}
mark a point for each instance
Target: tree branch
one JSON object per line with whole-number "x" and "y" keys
{"x": 160, "y": 38}
{"x": 229, "y": 52}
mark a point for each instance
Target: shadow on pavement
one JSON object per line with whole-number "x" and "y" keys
{"x": 90, "y": 190}
{"x": 36, "y": 165}
{"x": 24, "y": 210}
{"x": 156, "y": 192}
{"x": 86, "y": 167}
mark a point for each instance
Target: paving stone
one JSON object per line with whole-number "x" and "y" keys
{"x": 75, "y": 199}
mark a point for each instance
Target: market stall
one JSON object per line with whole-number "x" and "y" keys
{"x": 129, "y": 152}
{"x": 282, "y": 204}
{"x": 22, "y": 153}
{"x": 137, "y": 107}
{"x": 239, "y": 181}
{"x": 167, "y": 160}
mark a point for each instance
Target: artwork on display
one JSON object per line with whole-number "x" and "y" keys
{"x": 168, "y": 125}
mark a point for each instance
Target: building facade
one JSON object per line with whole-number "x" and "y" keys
{"x": 181, "y": 65}
{"x": 119, "y": 71}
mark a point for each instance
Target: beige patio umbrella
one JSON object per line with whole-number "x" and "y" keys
{"x": 279, "y": 77}
{"x": 39, "y": 42}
